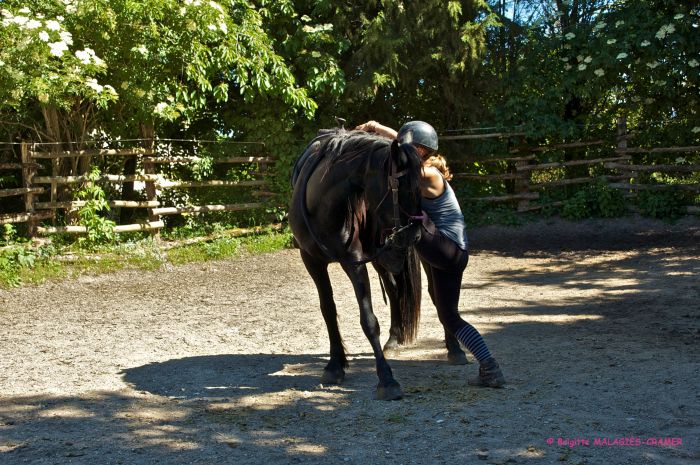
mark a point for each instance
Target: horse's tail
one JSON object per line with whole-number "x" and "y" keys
{"x": 407, "y": 286}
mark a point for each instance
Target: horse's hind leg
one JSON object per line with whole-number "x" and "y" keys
{"x": 388, "y": 388}
{"x": 334, "y": 373}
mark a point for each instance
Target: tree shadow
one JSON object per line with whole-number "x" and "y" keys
{"x": 553, "y": 236}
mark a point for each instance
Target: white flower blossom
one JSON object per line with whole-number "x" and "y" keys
{"x": 611, "y": 41}
{"x": 579, "y": 58}
{"x": 6, "y": 13}
{"x": 216, "y": 6}
{"x": 43, "y": 35}
{"x": 599, "y": 26}
{"x": 223, "y": 27}
{"x": 25, "y": 11}
{"x": 678, "y": 16}
{"x": 695, "y": 130}
{"x": 693, "y": 63}
{"x": 161, "y": 107}
{"x": 665, "y": 30}
{"x": 645, "y": 43}
{"x": 33, "y": 24}
{"x": 567, "y": 67}
{"x": 67, "y": 37}
{"x": 20, "y": 20}
{"x": 619, "y": 23}
{"x": 653, "y": 64}
{"x": 588, "y": 59}
{"x": 660, "y": 83}
{"x": 93, "y": 84}
{"x": 110, "y": 90}
{"x": 599, "y": 72}
{"x": 622, "y": 55}
{"x": 83, "y": 56}
{"x": 570, "y": 36}
{"x": 581, "y": 67}
{"x": 57, "y": 48}
{"x": 53, "y": 25}
{"x": 212, "y": 27}
{"x": 565, "y": 60}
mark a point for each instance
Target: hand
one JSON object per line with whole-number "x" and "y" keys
{"x": 369, "y": 126}
{"x": 378, "y": 129}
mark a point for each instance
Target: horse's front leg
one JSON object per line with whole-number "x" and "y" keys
{"x": 388, "y": 388}
{"x": 391, "y": 347}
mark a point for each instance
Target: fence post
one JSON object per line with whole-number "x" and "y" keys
{"x": 522, "y": 183}
{"x": 28, "y": 171}
{"x": 151, "y": 192}
{"x": 621, "y": 149}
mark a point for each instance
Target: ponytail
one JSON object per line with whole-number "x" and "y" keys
{"x": 439, "y": 162}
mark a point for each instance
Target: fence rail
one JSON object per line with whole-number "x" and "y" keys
{"x": 615, "y": 165}
{"x": 47, "y": 187}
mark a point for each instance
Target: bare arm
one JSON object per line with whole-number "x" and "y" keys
{"x": 379, "y": 129}
{"x": 432, "y": 184}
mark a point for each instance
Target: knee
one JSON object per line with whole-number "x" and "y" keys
{"x": 451, "y": 320}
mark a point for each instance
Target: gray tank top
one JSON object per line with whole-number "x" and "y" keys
{"x": 444, "y": 211}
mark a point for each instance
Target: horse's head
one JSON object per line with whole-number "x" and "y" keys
{"x": 399, "y": 211}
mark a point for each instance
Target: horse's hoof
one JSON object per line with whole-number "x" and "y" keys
{"x": 457, "y": 358}
{"x": 391, "y": 392}
{"x": 332, "y": 377}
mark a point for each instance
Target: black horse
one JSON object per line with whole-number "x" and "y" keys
{"x": 356, "y": 200}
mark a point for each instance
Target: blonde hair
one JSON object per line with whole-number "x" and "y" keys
{"x": 439, "y": 162}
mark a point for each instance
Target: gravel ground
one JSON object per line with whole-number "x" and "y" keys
{"x": 595, "y": 325}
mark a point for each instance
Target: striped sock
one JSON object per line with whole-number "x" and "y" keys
{"x": 472, "y": 340}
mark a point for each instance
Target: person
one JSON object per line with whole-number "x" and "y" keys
{"x": 443, "y": 247}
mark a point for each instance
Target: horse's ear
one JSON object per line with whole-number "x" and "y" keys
{"x": 398, "y": 153}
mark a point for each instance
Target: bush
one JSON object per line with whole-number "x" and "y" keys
{"x": 662, "y": 205}
{"x": 597, "y": 200}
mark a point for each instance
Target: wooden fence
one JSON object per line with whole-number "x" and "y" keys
{"x": 524, "y": 169}
{"x": 523, "y": 175}
{"x": 42, "y": 200}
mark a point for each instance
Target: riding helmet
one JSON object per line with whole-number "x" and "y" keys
{"x": 418, "y": 133}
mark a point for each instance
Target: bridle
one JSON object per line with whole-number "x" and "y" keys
{"x": 393, "y": 182}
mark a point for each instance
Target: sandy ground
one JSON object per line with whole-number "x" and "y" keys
{"x": 595, "y": 325}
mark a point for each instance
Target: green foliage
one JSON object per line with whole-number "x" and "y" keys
{"x": 596, "y": 200}
{"x": 117, "y": 65}
{"x": 666, "y": 205}
{"x": 584, "y": 63}
{"x": 100, "y": 230}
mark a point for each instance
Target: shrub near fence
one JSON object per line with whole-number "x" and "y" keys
{"x": 532, "y": 177}
{"x": 42, "y": 189}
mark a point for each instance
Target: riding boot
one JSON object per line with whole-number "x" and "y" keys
{"x": 490, "y": 375}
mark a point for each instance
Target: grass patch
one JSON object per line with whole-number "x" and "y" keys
{"x": 70, "y": 261}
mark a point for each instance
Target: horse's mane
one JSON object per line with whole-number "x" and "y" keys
{"x": 359, "y": 149}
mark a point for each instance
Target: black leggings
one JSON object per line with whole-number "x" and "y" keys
{"x": 444, "y": 264}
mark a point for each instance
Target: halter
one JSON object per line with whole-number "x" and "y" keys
{"x": 393, "y": 179}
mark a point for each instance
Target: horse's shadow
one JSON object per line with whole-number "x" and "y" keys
{"x": 241, "y": 375}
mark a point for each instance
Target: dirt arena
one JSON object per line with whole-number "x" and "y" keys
{"x": 596, "y": 326}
